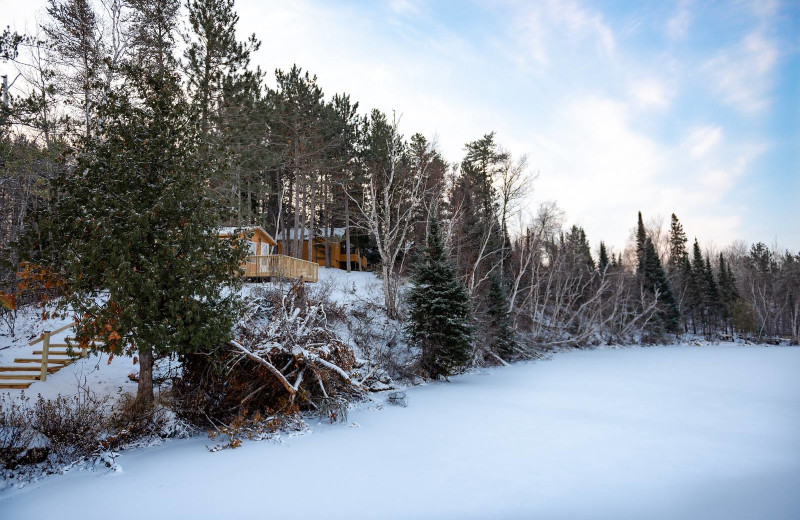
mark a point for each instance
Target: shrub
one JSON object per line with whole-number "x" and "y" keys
{"x": 130, "y": 421}
{"x": 73, "y": 426}
{"x": 16, "y": 434}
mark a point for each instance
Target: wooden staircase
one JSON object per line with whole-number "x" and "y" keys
{"x": 27, "y": 370}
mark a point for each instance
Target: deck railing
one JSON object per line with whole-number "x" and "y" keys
{"x": 280, "y": 266}
{"x": 45, "y": 352}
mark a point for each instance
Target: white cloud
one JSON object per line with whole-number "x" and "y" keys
{"x": 597, "y": 167}
{"x": 651, "y": 93}
{"x": 701, "y": 140}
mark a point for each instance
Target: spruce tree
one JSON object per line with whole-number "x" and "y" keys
{"x": 498, "y": 333}
{"x": 677, "y": 245}
{"x": 727, "y": 291}
{"x": 143, "y": 266}
{"x": 641, "y": 236}
{"x": 655, "y": 280}
{"x": 712, "y": 299}
{"x": 697, "y": 291}
{"x": 602, "y": 262}
{"x": 439, "y": 311}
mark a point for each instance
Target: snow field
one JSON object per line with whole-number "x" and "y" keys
{"x": 662, "y": 432}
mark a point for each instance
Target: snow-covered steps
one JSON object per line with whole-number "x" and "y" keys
{"x": 28, "y": 370}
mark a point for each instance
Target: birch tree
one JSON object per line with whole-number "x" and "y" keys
{"x": 389, "y": 208}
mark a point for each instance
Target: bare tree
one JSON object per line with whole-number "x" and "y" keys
{"x": 389, "y": 209}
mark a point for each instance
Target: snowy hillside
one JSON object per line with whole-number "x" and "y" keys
{"x": 671, "y": 432}
{"x": 106, "y": 376}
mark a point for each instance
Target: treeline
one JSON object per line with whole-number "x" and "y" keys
{"x": 114, "y": 109}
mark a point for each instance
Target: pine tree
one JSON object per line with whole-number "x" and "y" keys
{"x": 476, "y": 197}
{"x": 439, "y": 311}
{"x": 498, "y": 333}
{"x": 214, "y": 56}
{"x": 73, "y": 31}
{"x": 144, "y": 267}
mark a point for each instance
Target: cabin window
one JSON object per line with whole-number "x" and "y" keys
{"x": 253, "y": 248}
{"x": 264, "y": 248}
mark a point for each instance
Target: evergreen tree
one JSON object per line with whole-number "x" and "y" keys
{"x": 143, "y": 266}
{"x": 688, "y": 301}
{"x": 602, "y": 262}
{"x": 475, "y": 196}
{"x": 498, "y": 333}
{"x": 641, "y": 236}
{"x": 577, "y": 248}
{"x": 712, "y": 300}
{"x": 655, "y": 279}
{"x": 214, "y": 56}
{"x": 697, "y": 288}
{"x": 677, "y": 245}
{"x": 727, "y": 291}
{"x": 73, "y": 31}
{"x": 439, "y": 311}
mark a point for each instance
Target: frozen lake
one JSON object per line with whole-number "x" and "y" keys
{"x": 667, "y": 432}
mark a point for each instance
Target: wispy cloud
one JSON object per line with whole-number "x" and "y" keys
{"x": 677, "y": 26}
{"x": 743, "y": 74}
{"x": 701, "y": 140}
{"x": 543, "y": 29}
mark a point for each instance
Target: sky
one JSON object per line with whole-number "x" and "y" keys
{"x": 663, "y": 107}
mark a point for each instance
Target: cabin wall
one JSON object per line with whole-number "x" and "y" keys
{"x": 338, "y": 258}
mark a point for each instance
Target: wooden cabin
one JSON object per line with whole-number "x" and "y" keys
{"x": 263, "y": 264}
{"x": 337, "y": 245}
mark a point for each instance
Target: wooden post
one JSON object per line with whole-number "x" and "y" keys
{"x": 45, "y": 352}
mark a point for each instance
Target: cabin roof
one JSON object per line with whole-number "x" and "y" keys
{"x": 338, "y": 232}
{"x": 253, "y": 230}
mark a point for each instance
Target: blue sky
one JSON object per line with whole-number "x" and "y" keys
{"x": 686, "y": 106}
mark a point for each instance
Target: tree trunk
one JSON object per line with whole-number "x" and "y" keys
{"x": 144, "y": 393}
{"x": 347, "y": 228}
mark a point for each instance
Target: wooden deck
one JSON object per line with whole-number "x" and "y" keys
{"x": 280, "y": 266}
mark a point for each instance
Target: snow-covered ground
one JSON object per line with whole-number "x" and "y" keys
{"x": 109, "y": 377}
{"x": 708, "y": 432}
